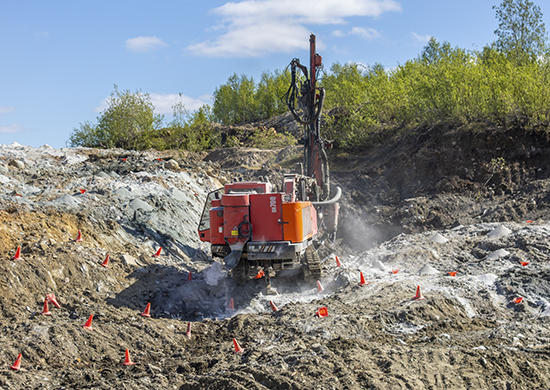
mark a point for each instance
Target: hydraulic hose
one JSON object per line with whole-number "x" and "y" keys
{"x": 335, "y": 199}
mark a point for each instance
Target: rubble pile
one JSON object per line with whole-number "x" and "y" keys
{"x": 111, "y": 288}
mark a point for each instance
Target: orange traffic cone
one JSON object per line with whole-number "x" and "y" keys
{"x": 238, "y": 348}
{"x": 158, "y": 252}
{"x": 518, "y": 300}
{"x": 88, "y": 324}
{"x": 188, "y": 333}
{"x": 147, "y": 310}
{"x": 82, "y": 191}
{"x": 51, "y": 299}
{"x": 524, "y": 263}
{"x": 17, "y": 254}
{"x": 363, "y": 282}
{"x": 106, "y": 262}
{"x": 319, "y": 287}
{"x": 338, "y": 264}
{"x": 394, "y": 271}
{"x": 260, "y": 274}
{"x": 127, "y": 360}
{"x": 231, "y": 304}
{"x": 17, "y": 365}
{"x": 190, "y": 277}
{"x": 453, "y": 273}
{"x": 79, "y": 236}
{"x": 273, "y": 307}
{"x": 418, "y": 295}
{"x": 46, "y": 310}
{"x": 322, "y": 312}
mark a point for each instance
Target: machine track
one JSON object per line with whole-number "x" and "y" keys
{"x": 313, "y": 264}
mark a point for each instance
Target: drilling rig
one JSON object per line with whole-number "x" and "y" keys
{"x": 252, "y": 226}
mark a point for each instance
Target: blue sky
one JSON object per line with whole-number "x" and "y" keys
{"x": 61, "y": 59}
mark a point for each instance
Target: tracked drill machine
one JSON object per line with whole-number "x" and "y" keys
{"x": 251, "y": 225}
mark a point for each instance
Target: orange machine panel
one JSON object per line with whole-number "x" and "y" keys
{"x": 300, "y": 221}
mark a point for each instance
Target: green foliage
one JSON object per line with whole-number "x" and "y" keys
{"x": 129, "y": 122}
{"x": 242, "y": 100}
{"x": 264, "y": 138}
{"x": 191, "y": 131}
{"x": 521, "y": 32}
{"x": 442, "y": 84}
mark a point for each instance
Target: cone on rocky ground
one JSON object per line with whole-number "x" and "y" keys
{"x": 88, "y": 324}
{"x": 453, "y": 273}
{"x": 146, "y": 312}
{"x": 106, "y": 262}
{"x": 363, "y": 282}
{"x": 260, "y": 274}
{"x": 524, "y": 263}
{"x": 82, "y": 190}
{"x": 418, "y": 295}
{"x": 238, "y": 348}
{"x": 518, "y": 300}
{"x": 338, "y": 264}
{"x": 190, "y": 277}
{"x": 46, "y": 310}
{"x": 319, "y": 287}
{"x": 394, "y": 271}
{"x": 322, "y": 312}
{"x": 51, "y": 299}
{"x": 17, "y": 365}
{"x": 127, "y": 360}
{"x": 273, "y": 307}
{"x": 157, "y": 254}
{"x": 17, "y": 254}
{"x": 79, "y": 236}
{"x": 188, "y": 333}
{"x": 231, "y": 304}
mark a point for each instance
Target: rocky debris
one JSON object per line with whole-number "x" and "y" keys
{"x": 17, "y": 164}
{"x": 129, "y": 204}
{"x": 172, "y": 165}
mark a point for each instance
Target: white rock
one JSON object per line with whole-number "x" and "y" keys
{"x": 138, "y": 204}
{"x": 67, "y": 200}
{"x": 378, "y": 265}
{"x": 427, "y": 270}
{"x": 487, "y": 278}
{"x": 498, "y": 254}
{"x": 438, "y": 239}
{"x": 499, "y": 231}
{"x": 129, "y": 260}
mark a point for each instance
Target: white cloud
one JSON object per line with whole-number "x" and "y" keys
{"x": 164, "y": 102}
{"x": 422, "y": 39}
{"x": 6, "y": 110}
{"x": 255, "y": 27}
{"x": 365, "y": 33}
{"x": 12, "y": 129}
{"x": 144, "y": 44}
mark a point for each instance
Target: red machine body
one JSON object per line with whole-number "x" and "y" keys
{"x": 250, "y": 225}
{"x": 262, "y": 225}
